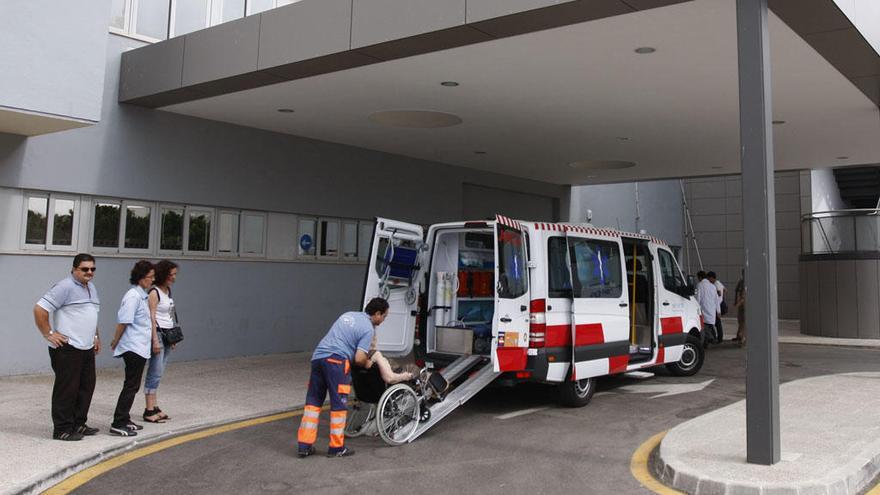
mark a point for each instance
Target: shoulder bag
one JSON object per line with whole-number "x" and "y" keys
{"x": 173, "y": 335}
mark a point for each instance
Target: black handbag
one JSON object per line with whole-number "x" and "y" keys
{"x": 173, "y": 335}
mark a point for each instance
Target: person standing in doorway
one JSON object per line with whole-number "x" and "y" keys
{"x": 740, "y": 304}
{"x": 347, "y": 341}
{"x": 73, "y": 342}
{"x": 707, "y": 296}
{"x": 162, "y": 317}
{"x": 132, "y": 344}
{"x": 722, "y": 306}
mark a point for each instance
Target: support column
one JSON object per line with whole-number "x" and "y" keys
{"x": 759, "y": 233}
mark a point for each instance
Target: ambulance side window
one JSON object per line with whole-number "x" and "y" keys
{"x": 558, "y": 277}
{"x": 513, "y": 279}
{"x": 595, "y": 267}
{"x": 672, "y": 279}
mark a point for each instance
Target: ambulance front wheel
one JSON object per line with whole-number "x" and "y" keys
{"x": 577, "y": 393}
{"x": 692, "y": 357}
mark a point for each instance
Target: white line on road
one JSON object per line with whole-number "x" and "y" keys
{"x": 520, "y": 413}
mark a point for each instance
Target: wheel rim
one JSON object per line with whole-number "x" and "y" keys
{"x": 398, "y": 415}
{"x": 688, "y": 357}
{"x": 582, "y": 387}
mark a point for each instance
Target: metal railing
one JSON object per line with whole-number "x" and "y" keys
{"x": 841, "y": 231}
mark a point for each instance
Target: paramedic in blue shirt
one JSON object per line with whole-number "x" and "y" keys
{"x": 73, "y": 343}
{"x": 347, "y": 341}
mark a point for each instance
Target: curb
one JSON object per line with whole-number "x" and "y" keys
{"x": 77, "y": 465}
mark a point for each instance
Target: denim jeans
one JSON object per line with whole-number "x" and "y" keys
{"x": 156, "y": 368}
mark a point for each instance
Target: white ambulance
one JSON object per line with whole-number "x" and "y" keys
{"x": 546, "y": 302}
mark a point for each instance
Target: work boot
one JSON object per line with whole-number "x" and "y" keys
{"x": 303, "y": 453}
{"x": 345, "y": 452}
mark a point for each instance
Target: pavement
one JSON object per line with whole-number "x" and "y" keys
{"x": 201, "y": 394}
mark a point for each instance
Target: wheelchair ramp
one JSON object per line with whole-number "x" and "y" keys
{"x": 478, "y": 380}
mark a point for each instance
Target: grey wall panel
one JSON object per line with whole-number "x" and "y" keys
{"x": 868, "y": 292}
{"x": 803, "y": 289}
{"x": 787, "y": 291}
{"x": 828, "y": 292}
{"x": 847, "y": 300}
{"x": 733, "y": 187}
{"x": 814, "y": 316}
{"x": 733, "y": 204}
{"x": 709, "y": 206}
{"x": 63, "y": 46}
{"x": 708, "y": 223}
{"x": 788, "y": 273}
{"x": 710, "y": 190}
{"x": 789, "y": 310}
{"x": 735, "y": 239}
{"x": 734, "y": 222}
{"x": 378, "y": 21}
{"x": 787, "y": 183}
{"x": 480, "y": 10}
{"x": 788, "y": 219}
{"x": 223, "y": 51}
{"x": 711, "y": 240}
{"x": 788, "y": 202}
{"x": 480, "y": 202}
{"x": 153, "y": 68}
{"x": 788, "y": 238}
{"x": 304, "y": 30}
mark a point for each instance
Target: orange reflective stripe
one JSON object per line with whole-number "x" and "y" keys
{"x": 309, "y": 410}
{"x": 336, "y": 441}
{"x": 338, "y": 414}
{"x": 334, "y": 361}
{"x": 343, "y": 389}
{"x": 313, "y": 421}
{"x": 307, "y": 433}
{"x": 347, "y": 367}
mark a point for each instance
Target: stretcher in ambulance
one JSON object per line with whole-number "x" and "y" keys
{"x": 546, "y": 302}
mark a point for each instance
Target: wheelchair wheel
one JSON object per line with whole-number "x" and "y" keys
{"x": 398, "y": 414}
{"x": 359, "y": 418}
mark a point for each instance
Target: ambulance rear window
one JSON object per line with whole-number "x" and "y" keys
{"x": 595, "y": 267}
{"x": 513, "y": 280}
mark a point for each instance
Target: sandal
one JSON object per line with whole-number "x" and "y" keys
{"x": 153, "y": 416}
{"x": 158, "y": 411}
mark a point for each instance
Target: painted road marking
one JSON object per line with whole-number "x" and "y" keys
{"x": 520, "y": 413}
{"x": 638, "y": 466}
{"x": 77, "y": 480}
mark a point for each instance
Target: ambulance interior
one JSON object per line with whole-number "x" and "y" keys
{"x": 640, "y": 286}
{"x": 461, "y": 292}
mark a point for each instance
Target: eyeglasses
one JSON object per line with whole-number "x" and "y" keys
{"x": 87, "y": 269}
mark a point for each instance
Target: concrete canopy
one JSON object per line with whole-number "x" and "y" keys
{"x": 539, "y": 97}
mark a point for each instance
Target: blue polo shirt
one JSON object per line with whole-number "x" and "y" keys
{"x": 134, "y": 313}
{"x": 350, "y": 332}
{"x": 74, "y": 308}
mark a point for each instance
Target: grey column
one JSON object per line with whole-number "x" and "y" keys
{"x": 759, "y": 233}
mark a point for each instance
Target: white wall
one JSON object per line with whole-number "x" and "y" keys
{"x": 865, "y": 16}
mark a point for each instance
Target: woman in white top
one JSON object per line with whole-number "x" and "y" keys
{"x": 162, "y": 315}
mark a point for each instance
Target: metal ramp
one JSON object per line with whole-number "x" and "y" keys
{"x": 460, "y": 394}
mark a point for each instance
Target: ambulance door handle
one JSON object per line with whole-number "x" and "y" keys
{"x": 666, "y": 303}
{"x": 506, "y": 320}
{"x": 523, "y": 307}
{"x": 623, "y": 305}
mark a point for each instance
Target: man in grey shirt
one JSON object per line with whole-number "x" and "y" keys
{"x": 73, "y": 343}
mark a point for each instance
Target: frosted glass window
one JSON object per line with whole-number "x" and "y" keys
{"x": 307, "y": 238}
{"x": 252, "y": 233}
{"x": 227, "y": 232}
{"x": 37, "y": 220}
{"x": 189, "y": 16}
{"x": 62, "y": 222}
{"x": 226, "y": 10}
{"x": 256, "y": 6}
{"x": 350, "y": 240}
{"x": 152, "y": 18}
{"x": 329, "y": 245}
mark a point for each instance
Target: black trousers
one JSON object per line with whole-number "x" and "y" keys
{"x": 74, "y": 384}
{"x": 719, "y": 330}
{"x": 134, "y": 370}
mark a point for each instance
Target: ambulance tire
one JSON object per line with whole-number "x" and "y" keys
{"x": 691, "y": 358}
{"x": 577, "y": 393}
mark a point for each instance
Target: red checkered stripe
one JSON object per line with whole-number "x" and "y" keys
{"x": 556, "y": 227}
{"x": 508, "y": 222}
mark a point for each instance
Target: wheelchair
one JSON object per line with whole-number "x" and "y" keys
{"x": 391, "y": 412}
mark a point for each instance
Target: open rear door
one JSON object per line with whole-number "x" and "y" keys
{"x": 600, "y": 303}
{"x": 510, "y": 323}
{"x": 393, "y": 272}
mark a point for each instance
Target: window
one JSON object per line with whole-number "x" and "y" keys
{"x": 197, "y": 236}
{"x": 227, "y": 232}
{"x": 37, "y": 221}
{"x": 50, "y": 221}
{"x": 513, "y": 276}
{"x": 171, "y": 229}
{"x": 117, "y": 15}
{"x": 137, "y": 226}
{"x": 365, "y": 239}
{"x": 105, "y": 224}
{"x": 306, "y": 240}
{"x": 595, "y": 267}
{"x": 559, "y": 278}
{"x": 257, "y": 6}
{"x": 189, "y": 15}
{"x": 62, "y": 222}
{"x": 226, "y": 10}
{"x": 349, "y": 240}
{"x": 328, "y": 247}
{"x": 253, "y": 234}
{"x": 672, "y": 279}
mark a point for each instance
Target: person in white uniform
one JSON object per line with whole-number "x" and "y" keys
{"x": 707, "y": 296}
{"x": 722, "y": 308}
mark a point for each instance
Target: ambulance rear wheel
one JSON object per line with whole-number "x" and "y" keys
{"x": 692, "y": 357}
{"x": 577, "y": 393}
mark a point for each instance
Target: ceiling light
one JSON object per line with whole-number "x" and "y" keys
{"x": 601, "y": 164}
{"x": 622, "y": 138}
{"x": 778, "y": 122}
{"x": 843, "y": 158}
{"x": 420, "y": 119}
{"x": 479, "y": 152}
{"x": 285, "y": 110}
{"x": 449, "y": 84}
{"x": 644, "y": 50}
{"x": 716, "y": 168}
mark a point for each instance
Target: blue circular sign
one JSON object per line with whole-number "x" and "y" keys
{"x": 305, "y": 242}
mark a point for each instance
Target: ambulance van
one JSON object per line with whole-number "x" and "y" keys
{"x": 554, "y": 303}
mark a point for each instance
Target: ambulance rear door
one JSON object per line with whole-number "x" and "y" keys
{"x": 672, "y": 293}
{"x": 394, "y": 273}
{"x": 600, "y": 303}
{"x": 510, "y": 323}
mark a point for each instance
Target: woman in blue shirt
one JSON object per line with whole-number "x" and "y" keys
{"x": 132, "y": 343}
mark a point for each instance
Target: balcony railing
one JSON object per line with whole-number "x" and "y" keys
{"x": 841, "y": 232}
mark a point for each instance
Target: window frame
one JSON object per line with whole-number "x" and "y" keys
{"x": 101, "y": 249}
{"x": 264, "y": 234}
{"x": 357, "y": 235}
{"x": 167, "y": 206}
{"x": 26, "y": 196}
{"x": 50, "y": 223}
{"x": 299, "y": 233}
{"x": 320, "y": 241}
{"x": 130, "y": 23}
{"x": 237, "y": 233}
{"x": 212, "y": 242}
{"x": 123, "y": 223}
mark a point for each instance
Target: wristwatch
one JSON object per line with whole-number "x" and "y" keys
{"x": 50, "y": 333}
